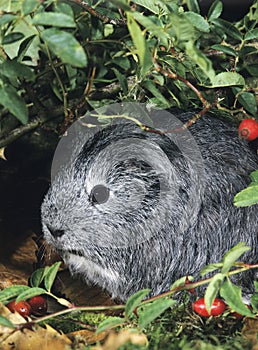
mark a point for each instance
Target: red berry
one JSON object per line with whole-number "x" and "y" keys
{"x": 248, "y": 129}
{"x": 217, "y": 308}
{"x": 22, "y": 307}
{"x": 38, "y": 305}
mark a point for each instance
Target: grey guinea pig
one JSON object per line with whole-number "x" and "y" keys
{"x": 135, "y": 209}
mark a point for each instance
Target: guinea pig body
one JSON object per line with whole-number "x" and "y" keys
{"x": 136, "y": 209}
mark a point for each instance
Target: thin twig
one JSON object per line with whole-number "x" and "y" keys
{"x": 100, "y": 16}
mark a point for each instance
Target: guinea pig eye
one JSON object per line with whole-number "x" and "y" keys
{"x": 99, "y": 194}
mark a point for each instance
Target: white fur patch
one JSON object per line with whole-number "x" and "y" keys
{"x": 89, "y": 269}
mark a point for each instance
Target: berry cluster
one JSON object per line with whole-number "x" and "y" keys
{"x": 36, "y": 306}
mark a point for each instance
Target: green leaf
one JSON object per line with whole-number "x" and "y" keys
{"x": 153, "y": 6}
{"x": 64, "y": 8}
{"x": 12, "y": 68}
{"x": 7, "y": 18}
{"x": 65, "y": 46}
{"x": 134, "y": 301}
{"x": 6, "y": 323}
{"x": 246, "y": 197}
{"x": 54, "y": 19}
{"x": 109, "y": 323}
{"x": 215, "y": 10}
{"x": 193, "y": 6}
{"x": 152, "y": 87}
{"x": 11, "y": 292}
{"x": 24, "y": 46}
{"x": 212, "y": 290}
{"x": 50, "y": 275}
{"x": 233, "y": 297}
{"x": 10, "y": 99}
{"x": 210, "y": 268}
{"x": 247, "y": 100}
{"x": 181, "y": 282}
{"x": 252, "y": 69}
{"x": 122, "y": 80}
{"x": 153, "y": 310}
{"x": 226, "y": 49}
{"x": 154, "y": 29}
{"x": 29, "y": 293}
{"x": 254, "y": 298}
{"x": 37, "y": 276}
{"x": 227, "y": 79}
{"x": 251, "y": 34}
{"x": 232, "y": 256}
{"x": 198, "y": 21}
{"x": 137, "y": 37}
{"x": 228, "y": 28}
{"x": 12, "y": 38}
{"x": 254, "y": 176}
{"x": 200, "y": 59}
{"x": 29, "y": 6}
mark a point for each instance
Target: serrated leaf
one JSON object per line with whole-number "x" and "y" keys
{"x": 32, "y": 292}
{"x": 6, "y": 323}
{"x": 109, "y": 323}
{"x": 212, "y": 290}
{"x": 10, "y": 99}
{"x": 65, "y": 46}
{"x": 215, "y": 10}
{"x": 134, "y": 301}
{"x": 227, "y": 79}
{"x": 233, "y": 297}
{"x": 246, "y": 197}
{"x": 51, "y": 275}
{"x": 11, "y": 292}
{"x": 233, "y": 255}
{"x": 226, "y": 49}
{"x": 153, "y": 310}
{"x": 54, "y": 19}
{"x": 210, "y": 268}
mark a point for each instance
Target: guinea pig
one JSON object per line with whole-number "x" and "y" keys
{"x": 130, "y": 209}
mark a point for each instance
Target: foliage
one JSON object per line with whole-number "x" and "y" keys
{"x": 168, "y": 323}
{"x": 58, "y": 59}
{"x": 249, "y": 195}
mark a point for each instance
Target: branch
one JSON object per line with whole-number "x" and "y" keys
{"x": 97, "y": 14}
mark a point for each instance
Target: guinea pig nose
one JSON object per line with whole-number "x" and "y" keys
{"x": 55, "y": 232}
